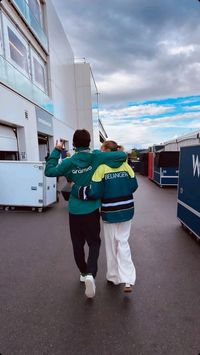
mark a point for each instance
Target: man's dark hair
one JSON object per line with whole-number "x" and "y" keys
{"x": 81, "y": 138}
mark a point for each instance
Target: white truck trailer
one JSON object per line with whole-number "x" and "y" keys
{"x": 23, "y": 184}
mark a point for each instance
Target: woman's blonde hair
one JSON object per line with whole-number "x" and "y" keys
{"x": 111, "y": 145}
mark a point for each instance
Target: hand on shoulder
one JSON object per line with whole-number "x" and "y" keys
{"x": 59, "y": 145}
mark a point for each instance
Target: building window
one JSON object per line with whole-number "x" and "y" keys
{"x": 18, "y": 52}
{"x": 16, "y": 47}
{"x": 38, "y": 70}
{"x": 39, "y": 73}
{"x": 36, "y": 10}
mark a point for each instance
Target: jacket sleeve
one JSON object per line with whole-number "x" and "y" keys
{"x": 107, "y": 157}
{"x": 95, "y": 190}
{"x": 53, "y": 169}
{"x": 133, "y": 180}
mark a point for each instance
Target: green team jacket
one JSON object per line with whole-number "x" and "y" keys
{"x": 115, "y": 187}
{"x": 79, "y": 168}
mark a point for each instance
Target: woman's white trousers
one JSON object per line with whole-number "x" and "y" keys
{"x": 120, "y": 267}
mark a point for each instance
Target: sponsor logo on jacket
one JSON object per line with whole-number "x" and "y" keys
{"x": 121, "y": 174}
{"x": 81, "y": 171}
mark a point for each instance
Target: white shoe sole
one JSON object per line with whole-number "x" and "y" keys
{"x": 89, "y": 288}
{"x": 82, "y": 278}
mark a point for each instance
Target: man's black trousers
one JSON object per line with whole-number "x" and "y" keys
{"x": 86, "y": 228}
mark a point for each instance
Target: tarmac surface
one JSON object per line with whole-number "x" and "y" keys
{"x": 43, "y": 308}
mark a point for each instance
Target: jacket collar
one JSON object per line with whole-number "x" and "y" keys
{"x": 82, "y": 149}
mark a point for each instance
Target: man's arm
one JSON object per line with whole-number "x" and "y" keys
{"x": 117, "y": 157}
{"x": 95, "y": 190}
{"x": 53, "y": 169}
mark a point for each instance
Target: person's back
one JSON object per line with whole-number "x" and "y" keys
{"x": 115, "y": 187}
{"x": 83, "y": 215}
{"x": 80, "y": 167}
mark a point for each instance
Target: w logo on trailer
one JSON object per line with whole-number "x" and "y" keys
{"x": 196, "y": 165}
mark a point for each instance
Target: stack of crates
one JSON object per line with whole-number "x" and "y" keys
{"x": 188, "y": 204}
{"x": 151, "y": 156}
{"x": 143, "y": 166}
{"x": 166, "y": 168}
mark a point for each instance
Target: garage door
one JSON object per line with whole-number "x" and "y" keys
{"x": 8, "y": 140}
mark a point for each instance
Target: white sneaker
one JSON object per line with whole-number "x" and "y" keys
{"x": 82, "y": 277}
{"x": 90, "y": 286}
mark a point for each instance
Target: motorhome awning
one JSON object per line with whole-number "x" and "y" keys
{"x": 8, "y": 140}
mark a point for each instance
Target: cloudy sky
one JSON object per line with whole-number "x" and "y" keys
{"x": 145, "y": 57}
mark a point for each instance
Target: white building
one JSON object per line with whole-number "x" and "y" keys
{"x": 44, "y": 95}
{"x": 185, "y": 140}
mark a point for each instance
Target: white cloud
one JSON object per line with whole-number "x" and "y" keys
{"x": 193, "y": 108}
{"x": 135, "y": 111}
{"x": 176, "y": 47}
{"x": 114, "y": 116}
{"x": 129, "y": 138}
{"x": 119, "y": 81}
{"x": 182, "y": 50}
{"x": 144, "y": 132}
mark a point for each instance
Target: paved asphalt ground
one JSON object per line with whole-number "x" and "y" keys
{"x": 43, "y": 309}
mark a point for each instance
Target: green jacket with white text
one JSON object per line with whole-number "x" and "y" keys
{"x": 79, "y": 168}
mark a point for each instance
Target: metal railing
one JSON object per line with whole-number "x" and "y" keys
{"x": 35, "y": 26}
{"x": 13, "y": 78}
